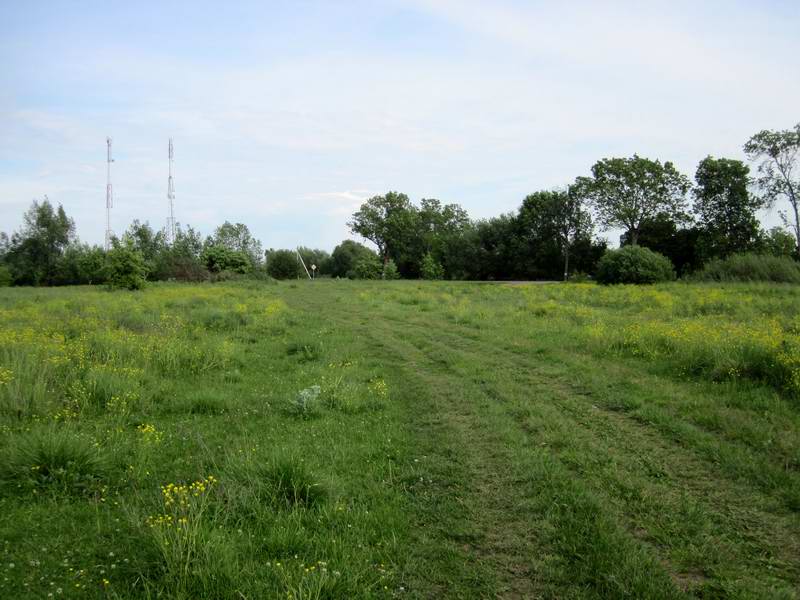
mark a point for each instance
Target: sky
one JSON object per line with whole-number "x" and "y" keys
{"x": 287, "y": 115}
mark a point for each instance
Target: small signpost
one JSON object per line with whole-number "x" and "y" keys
{"x": 313, "y": 271}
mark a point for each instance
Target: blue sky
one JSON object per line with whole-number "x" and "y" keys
{"x": 286, "y": 115}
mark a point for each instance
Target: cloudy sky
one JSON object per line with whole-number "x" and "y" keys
{"x": 286, "y": 115}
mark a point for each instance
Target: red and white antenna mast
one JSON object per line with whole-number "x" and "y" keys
{"x": 170, "y": 229}
{"x": 109, "y": 197}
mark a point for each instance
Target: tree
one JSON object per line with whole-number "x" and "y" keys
{"x": 182, "y": 260}
{"x": 389, "y": 222}
{"x": 149, "y": 243}
{"x": 81, "y": 264}
{"x": 436, "y": 224}
{"x": 777, "y": 153}
{"x": 315, "y": 256}
{"x": 345, "y": 256}
{"x": 125, "y": 265}
{"x": 283, "y": 264}
{"x": 725, "y": 208}
{"x": 779, "y": 242}
{"x": 34, "y": 251}
{"x": 369, "y": 266}
{"x": 678, "y": 241}
{"x": 238, "y": 238}
{"x": 431, "y": 268}
{"x": 625, "y": 192}
{"x": 218, "y": 258}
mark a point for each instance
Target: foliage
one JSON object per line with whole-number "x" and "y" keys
{"x": 725, "y": 208}
{"x": 218, "y": 258}
{"x": 368, "y": 266}
{"x": 679, "y": 243}
{"x": 634, "y": 264}
{"x": 778, "y": 156}
{"x": 5, "y": 276}
{"x": 237, "y": 238}
{"x": 778, "y": 242}
{"x": 430, "y": 268}
{"x": 125, "y": 266}
{"x": 389, "y": 222}
{"x": 305, "y": 403}
{"x": 284, "y": 264}
{"x": 552, "y": 224}
{"x": 315, "y": 256}
{"x": 626, "y": 192}
{"x": 33, "y": 252}
{"x": 752, "y": 267}
{"x": 53, "y": 461}
{"x": 390, "y": 271}
{"x": 345, "y": 256}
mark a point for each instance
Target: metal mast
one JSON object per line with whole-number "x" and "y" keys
{"x": 170, "y": 230}
{"x": 109, "y": 196}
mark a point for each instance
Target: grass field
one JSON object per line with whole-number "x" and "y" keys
{"x": 342, "y": 439}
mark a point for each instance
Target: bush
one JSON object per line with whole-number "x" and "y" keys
{"x": 125, "y": 267}
{"x": 752, "y": 267}
{"x": 345, "y": 256}
{"x": 5, "y": 276}
{"x": 218, "y": 258}
{"x": 634, "y": 264}
{"x": 390, "y": 270}
{"x": 283, "y": 264}
{"x": 430, "y": 268}
{"x": 368, "y": 267}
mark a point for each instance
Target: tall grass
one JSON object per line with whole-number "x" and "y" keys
{"x": 752, "y": 267}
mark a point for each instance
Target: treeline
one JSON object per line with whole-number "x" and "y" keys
{"x": 552, "y": 235}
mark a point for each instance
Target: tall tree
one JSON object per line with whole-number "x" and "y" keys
{"x": 389, "y": 222}
{"x": 34, "y": 251}
{"x": 777, "y": 154}
{"x": 626, "y": 192}
{"x": 149, "y": 243}
{"x": 237, "y": 237}
{"x": 551, "y": 222}
{"x": 725, "y": 208}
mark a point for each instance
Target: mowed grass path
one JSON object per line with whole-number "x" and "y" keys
{"x": 468, "y": 440}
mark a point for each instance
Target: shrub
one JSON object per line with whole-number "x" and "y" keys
{"x": 218, "y": 258}
{"x": 752, "y": 267}
{"x": 430, "y": 268}
{"x": 125, "y": 267}
{"x": 368, "y": 267}
{"x": 5, "y": 276}
{"x": 390, "y": 270}
{"x": 304, "y": 404}
{"x": 283, "y": 264}
{"x": 634, "y": 264}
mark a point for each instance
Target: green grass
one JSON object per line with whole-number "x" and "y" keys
{"x": 342, "y": 439}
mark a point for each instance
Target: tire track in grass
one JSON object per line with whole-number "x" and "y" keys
{"x": 619, "y": 433}
{"x": 542, "y": 533}
{"x": 736, "y": 459}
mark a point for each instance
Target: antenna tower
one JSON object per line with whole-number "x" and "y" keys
{"x": 170, "y": 230}
{"x": 109, "y": 196}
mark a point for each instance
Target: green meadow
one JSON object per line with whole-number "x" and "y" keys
{"x": 343, "y": 439}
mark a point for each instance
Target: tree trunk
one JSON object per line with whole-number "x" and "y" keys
{"x": 566, "y": 263}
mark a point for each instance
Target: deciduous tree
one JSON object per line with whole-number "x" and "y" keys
{"x": 777, "y": 154}
{"x": 626, "y": 192}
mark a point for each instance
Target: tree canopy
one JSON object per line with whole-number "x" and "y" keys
{"x": 626, "y": 192}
